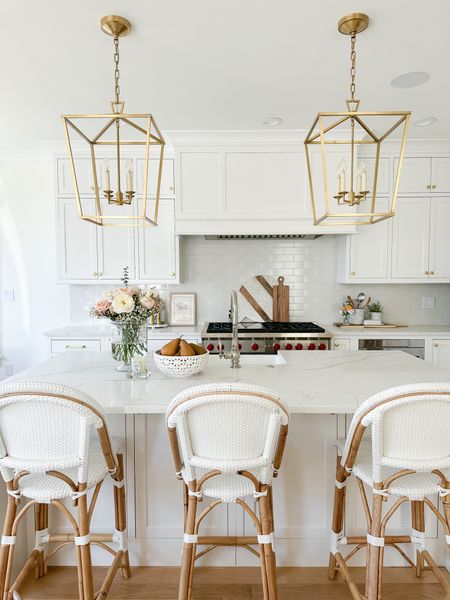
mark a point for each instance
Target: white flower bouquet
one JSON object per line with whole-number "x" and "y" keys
{"x": 128, "y": 309}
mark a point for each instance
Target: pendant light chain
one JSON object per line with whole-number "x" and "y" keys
{"x": 353, "y": 67}
{"x": 116, "y": 70}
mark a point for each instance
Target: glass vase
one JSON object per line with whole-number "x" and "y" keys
{"x": 128, "y": 339}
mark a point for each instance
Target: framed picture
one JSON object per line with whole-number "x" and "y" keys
{"x": 182, "y": 309}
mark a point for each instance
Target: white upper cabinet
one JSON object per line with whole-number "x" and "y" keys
{"x": 77, "y": 243}
{"x": 115, "y": 247}
{"x": 369, "y": 249}
{"x": 415, "y": 175}
{"x": 167, "y": 189}
{"x": 85, "y": 179}
{"x": 158, "y": 247}
{"x": 440, "y": 175}
{"x": 411, "y": 238}
{"x": 199, "y": 190}
{"x": 421, "y": 175}
{"x": 439, "y": 261}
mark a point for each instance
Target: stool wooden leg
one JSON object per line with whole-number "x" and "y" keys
{"x": 85, "y": 549}
{"x": 40, "y": 523}
{"x": 188, "y": 552}
{"x": 418, "y": 523}
{"x": 120, "y": 511}
{"x": 338, "y": 519}
{"x": 268, "y": 553}
{"x": 374, "y": 552}
{"x": 5, "y": 549}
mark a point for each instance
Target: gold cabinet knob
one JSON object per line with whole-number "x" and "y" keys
{"x": 336, "y": 344}
{"x": 431, "y": 272}
{"x": 433, "y": 187}
{"x": 353, "y": 273}
{"x": 99, "y": 274}
{"x": 428, "y": 187}
{"x": 172, "y": 274}
{"x": 94, "y": 274}
{"x": 427, "y": 272}
{"x": 171, "y": 188}
{"x": 435, "y": 344}
{"x": 92, "y": 188}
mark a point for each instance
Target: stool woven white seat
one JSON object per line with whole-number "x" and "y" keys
{"x": 408, "y": 458}
{"x": 227, "y": 441}
{"x": 48, "y": 454}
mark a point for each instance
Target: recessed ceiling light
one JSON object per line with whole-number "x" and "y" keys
{"x": 425, "y": 121}
{"x": 409, "y": 80}
{"x": 272, "y": 121}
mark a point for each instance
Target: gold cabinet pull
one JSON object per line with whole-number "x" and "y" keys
{"x": 427, "y": 272}
{"x": 172, "y": 274}
{"x": 428, "y": 187}
{"x": 435, "y": 344}
{"x": 75, "y": 347}
{"x": 353, "y": 273}
{"x": 431, "y": 272}
{"x": 433, "y": 187}
{"x": 99, "y": 274}
{"x": 94, "y": 274}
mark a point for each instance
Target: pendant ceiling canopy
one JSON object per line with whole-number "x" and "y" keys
{"x": 344, "y": 154}
{"x": 109, "y": 139}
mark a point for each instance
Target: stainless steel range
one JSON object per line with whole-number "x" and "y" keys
{"x": 267, "y": 337}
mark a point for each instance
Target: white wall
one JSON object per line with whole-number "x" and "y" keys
{"x": 28, "y": 261}
{"x": 212, "y": 268}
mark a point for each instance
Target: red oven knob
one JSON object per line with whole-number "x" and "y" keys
{"x": 240, "y": 346}
{"x": 276, "y": 347}
{"x": 210, "y": 347}
{"x": 220, "y": 347}
{"x": 311, "y": 346}
{"x": 322, "y": 346}
{"x": 288, "y": 346}
{"x": 299, "y": 346}
{"x": 255, "y": 347}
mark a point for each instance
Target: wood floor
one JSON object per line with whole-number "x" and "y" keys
{"x": 156, "y": 583}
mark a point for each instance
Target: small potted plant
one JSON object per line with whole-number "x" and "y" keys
{"x": 376, "y": 311}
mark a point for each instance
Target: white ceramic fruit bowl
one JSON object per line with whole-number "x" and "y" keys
{"x": 180, "y": 366}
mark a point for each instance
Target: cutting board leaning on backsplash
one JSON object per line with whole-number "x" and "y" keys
{"x": 263, "y": 298}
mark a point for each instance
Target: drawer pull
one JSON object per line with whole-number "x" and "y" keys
{"x": 353, "y": 273}
{"x": 99, "y": 274}
{"x": 433, "y": 187}
{"x": 336, "y": 345}
{"x": 75, "y": 347}
{"x": 435, "y": 344}
{"x": 428, "y": 187}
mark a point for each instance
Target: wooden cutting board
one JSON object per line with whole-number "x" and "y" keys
{"x": 281, "y": 301}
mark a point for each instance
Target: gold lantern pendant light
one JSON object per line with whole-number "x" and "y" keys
{"x": 118, "y": 202}
{"x": 343, "y": 149}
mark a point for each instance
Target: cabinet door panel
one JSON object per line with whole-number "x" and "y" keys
{"x": 115, "y": 246}
{"x": 369, "y": 248}
{"x": 440, "y": 175}
{"x": 265, "y": 183}
{"x": 439, "y": 263}
{"x": 167, "y": 175}
{"x": 85, "y": 179}
{"x": 77, "y": 242}
{"x": 410, "y": 238}
{"x": 441, "y": 354}
{"x": 415, "y": 176}
{"x": 158, "y": 247}
{"x": 339, "y": 343}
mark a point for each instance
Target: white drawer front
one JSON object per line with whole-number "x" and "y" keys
{"x": 75, "y": 345}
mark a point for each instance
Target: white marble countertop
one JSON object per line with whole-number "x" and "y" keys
{"x": 309, "y": 382}
{"x": 401, "y": 332}
{"x": 101, "y": 329}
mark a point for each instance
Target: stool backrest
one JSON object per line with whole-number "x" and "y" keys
{"x": 45, "y": 426}
{"x": 410, "y": 428}
{"x": 227, "y": 427}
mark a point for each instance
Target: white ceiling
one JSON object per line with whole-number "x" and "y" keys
{"x": 203, "y": 64}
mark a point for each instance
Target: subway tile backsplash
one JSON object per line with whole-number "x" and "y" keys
{"x": 212, "y": 268}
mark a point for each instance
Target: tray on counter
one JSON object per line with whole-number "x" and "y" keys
{"x": 375, "y": 326}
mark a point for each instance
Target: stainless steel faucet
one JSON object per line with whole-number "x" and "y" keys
{"x": 234, "y": 355}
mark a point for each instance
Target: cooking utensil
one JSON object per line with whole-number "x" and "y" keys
{"x": 366, "y": 302}
{"x": 281, "y": 301}
{"x": 360, "y": 299}
{"x": 351, "y": 301}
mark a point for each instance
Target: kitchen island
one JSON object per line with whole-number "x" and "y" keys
{"x": 322, "y": 390}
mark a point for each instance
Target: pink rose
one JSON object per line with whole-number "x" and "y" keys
{"x": 101, "y": 307}
{"x": 148, "y": 302}
{"x": 130, "y": 291}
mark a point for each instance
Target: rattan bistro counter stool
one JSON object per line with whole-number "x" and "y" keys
{"x": 408, "y": 460}
{"x": 47, "y": 455}
{"x": 227, "y": 442}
